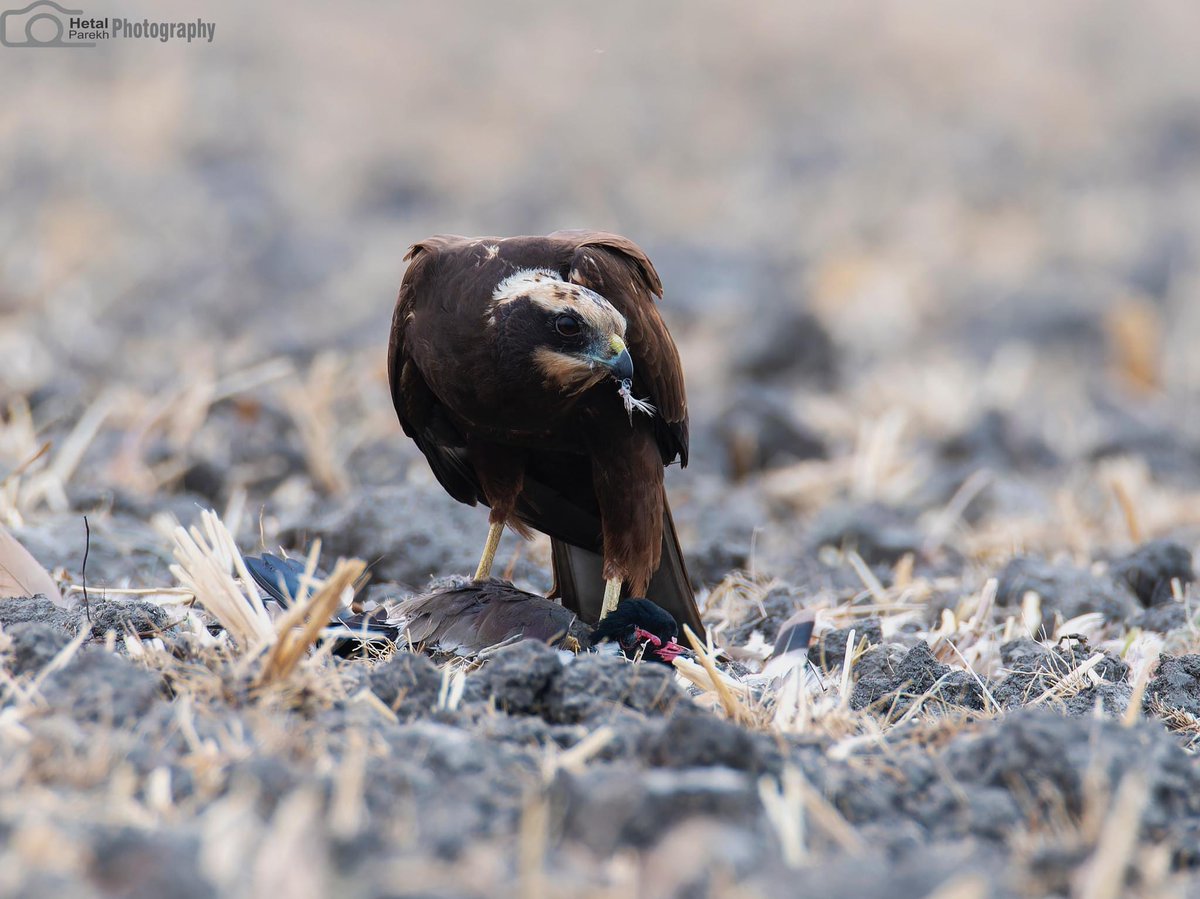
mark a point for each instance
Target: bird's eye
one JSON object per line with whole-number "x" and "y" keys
{"x": 567, "y": 325}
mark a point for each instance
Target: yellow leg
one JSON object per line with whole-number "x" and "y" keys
{"x": 489, "y": 551}
{"x": 612, "y": 596}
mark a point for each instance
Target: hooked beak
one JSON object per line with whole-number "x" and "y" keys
{"x": 669, "y": 652}
{"x": 620, "y": 363}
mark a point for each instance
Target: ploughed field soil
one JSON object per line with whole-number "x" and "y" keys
{"x": 938, "y": 306}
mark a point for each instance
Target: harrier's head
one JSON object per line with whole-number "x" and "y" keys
{"x": 571, "y": 336}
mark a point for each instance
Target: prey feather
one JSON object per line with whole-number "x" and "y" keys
{"x": 625, "y": 391}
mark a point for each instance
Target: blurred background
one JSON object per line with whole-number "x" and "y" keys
{"x": 902, "y": 244}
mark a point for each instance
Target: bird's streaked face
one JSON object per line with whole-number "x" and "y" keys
{"x": 573, "y": 337}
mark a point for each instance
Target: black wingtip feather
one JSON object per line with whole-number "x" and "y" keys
{"x": 280, "y": 578}
{"x": 277, "y": 576}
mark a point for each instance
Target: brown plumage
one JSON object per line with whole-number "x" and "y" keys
{"x": 501, "y": 359}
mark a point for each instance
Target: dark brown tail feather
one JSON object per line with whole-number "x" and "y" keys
{"x": 579, "y": 580}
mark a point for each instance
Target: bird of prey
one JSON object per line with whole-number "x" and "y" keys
{"x": 466, "y": 617}
{"x": 538, "y": 378}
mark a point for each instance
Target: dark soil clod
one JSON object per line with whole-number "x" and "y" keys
{"x": 1150, "y": 569}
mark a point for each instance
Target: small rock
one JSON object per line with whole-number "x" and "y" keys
{"x": 993, "y": 442}
{"x": 271, "y": 778}
{"x": 33, "y": 645}
{"x": 1161, "y": 619}
{"x": 1112, "y": 699}
{"x": 829, "y": 650}
{"x": 205, "y": 480}
{"x": 137, "y": 864}
{"x": 918, "y": 673}
{"x": 709, "y": 562}
{"x": 135, "y": 616}
{"x": 786, "y": 344}
{"x": 1034, "y": 669}
{"x": 611, "y": 806}
{"x": 1057, "y": 764}
{"x": 882, "y": 660}
{"x": 919, "y": 670}
{"x": 882, "y": 535}
{"x": 961, "y": 688}
{"x": 1177, "y": 684}
{"x": 1150, "y": 568}
{"x": 522, "y": 678}
{"x": 922, "y": 870}
{"x": 1076, "y": 652}
{"x": 1064, "y": 589}
{"x": 1023, "y": 653}
{"x": 142, "y": 618}
{"x": 1171, "y": 456}
{"x": 592, "y": 685}
{"x": 21, "y": 609}
{"x": 758, "y": 431}
{"x": 407, "y": 682}
{"x": 693, "y": 738}
{"x": 98, "y": 685}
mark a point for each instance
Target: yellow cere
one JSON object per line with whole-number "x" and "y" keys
{"x": 617, "y": 344}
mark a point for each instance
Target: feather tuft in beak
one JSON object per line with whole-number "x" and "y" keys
{"x": 621, "y": 366}
{"x": 632, "y": 403}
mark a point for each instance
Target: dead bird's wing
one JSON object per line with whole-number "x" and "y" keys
{"x": 470, "y": 616}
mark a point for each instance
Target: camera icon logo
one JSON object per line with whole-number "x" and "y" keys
{"x": 40, "y": 24}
